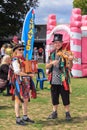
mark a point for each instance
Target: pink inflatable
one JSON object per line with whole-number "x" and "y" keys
{"x": 52, "y": 16}
{"x": 52, "y": 22}
{"x": 77, "y": 17}
{"x": 84, "y": 20}
{"x": 76, "y": 10}
{"x": 84, "y": 17}
{"x": 76, "y": 24}
{"x": 74, "y": 36}
{"x": 50, "y": 26}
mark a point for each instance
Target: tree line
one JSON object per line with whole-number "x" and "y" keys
{"x": 12, "y": 14}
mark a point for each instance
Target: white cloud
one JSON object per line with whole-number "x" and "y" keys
{"x": 62, "y": 9}
{"x": 61, "y": 20}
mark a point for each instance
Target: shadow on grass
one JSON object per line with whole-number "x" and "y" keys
{"x": 75, "y": 120}
{"x": 5, "y": 107}
{"x": 45, "y": 88}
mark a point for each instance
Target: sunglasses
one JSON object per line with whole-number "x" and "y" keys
{"x": 21, "y": 49}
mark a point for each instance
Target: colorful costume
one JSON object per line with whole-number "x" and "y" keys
{"x": 64, "y": 72}
{"x": 21, "y": 84}
{"x": 60, "y": 77}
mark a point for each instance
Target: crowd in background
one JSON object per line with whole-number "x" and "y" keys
{"x": 6, "y": 51}
{"x": 38, "y": 54}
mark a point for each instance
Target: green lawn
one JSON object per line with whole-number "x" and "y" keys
{"x": 41, "y": 107}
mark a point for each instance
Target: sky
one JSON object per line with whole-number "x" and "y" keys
{"x": 61, "y": 8}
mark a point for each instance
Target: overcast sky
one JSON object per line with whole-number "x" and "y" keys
{"x": 62, "y": 9}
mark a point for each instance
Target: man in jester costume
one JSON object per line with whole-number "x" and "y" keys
{"x": 60, "y": 77}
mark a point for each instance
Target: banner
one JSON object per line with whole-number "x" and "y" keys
{"x": 28, "y": 34}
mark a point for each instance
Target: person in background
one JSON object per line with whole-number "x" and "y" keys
{"x": 8, "y": 50}
{"x": 22, "y": 85}
{"x": 0, "y": 59}
{"x": 40, "y": 51}
{"x": 4, "y": 68}
{"x": 3, "y": 50}
{"x": 35, "y": 53}
{"x": 15, "y": 41}
{"x": 60, "y": 78}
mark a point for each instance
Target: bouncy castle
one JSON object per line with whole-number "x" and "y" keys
{"x": 74, "y": 38}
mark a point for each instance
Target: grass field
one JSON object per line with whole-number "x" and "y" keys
{"x": 41, "y": 107}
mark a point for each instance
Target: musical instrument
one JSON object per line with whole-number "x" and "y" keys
{"x": 31, "y": 66}
{"x": 68, "y": 56}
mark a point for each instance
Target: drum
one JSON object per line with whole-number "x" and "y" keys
{"x": 31, "y": 66}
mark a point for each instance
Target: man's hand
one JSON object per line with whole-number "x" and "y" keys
{"x": 31, "y": 75}
{"x": 55, "y": 62}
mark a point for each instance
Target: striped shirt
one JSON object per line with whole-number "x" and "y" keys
{"x": 56, "y": 73}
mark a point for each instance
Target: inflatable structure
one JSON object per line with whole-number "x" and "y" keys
{"x": 74, "y": 38}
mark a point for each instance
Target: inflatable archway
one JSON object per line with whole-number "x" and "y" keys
{"x": 59, "y": 28}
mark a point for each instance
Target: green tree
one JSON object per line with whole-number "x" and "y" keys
{"x": 12, "y": 14}
{"x": 82, "y": 4}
